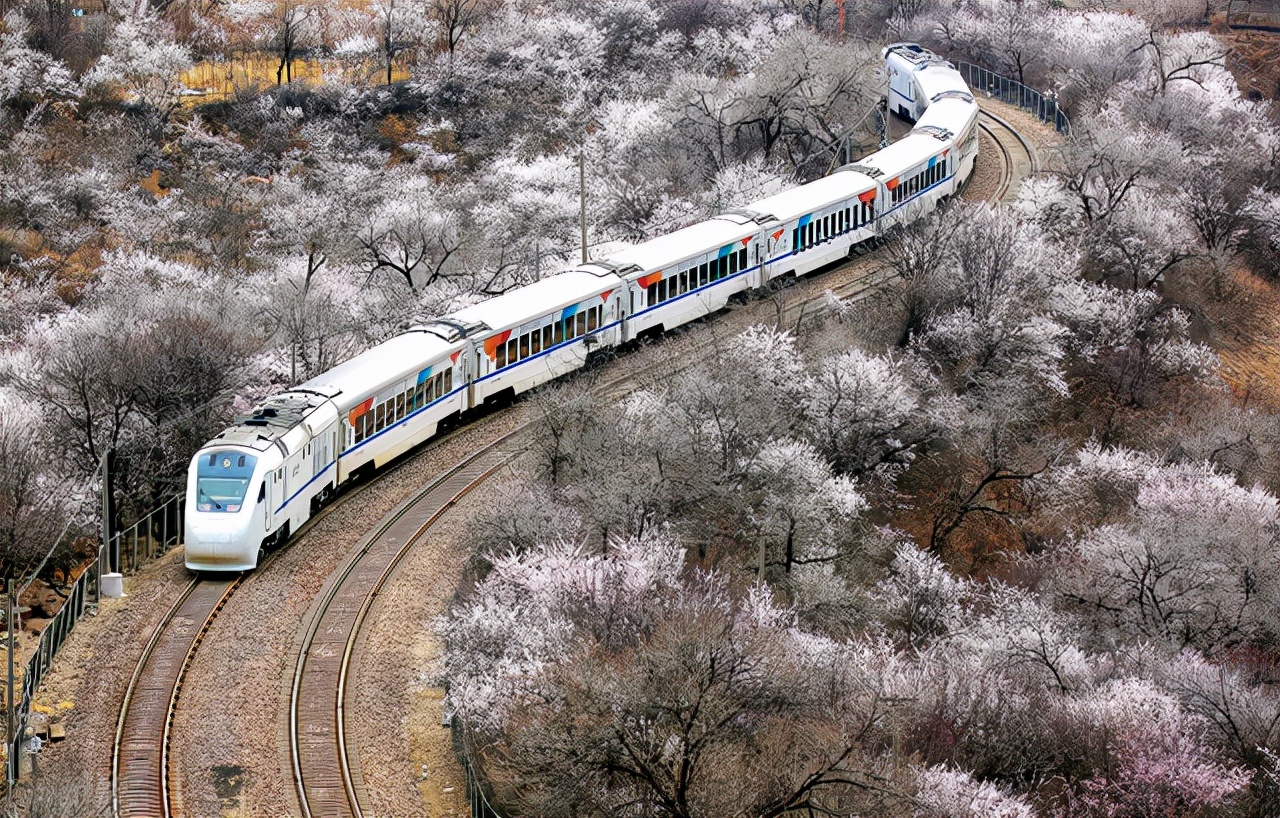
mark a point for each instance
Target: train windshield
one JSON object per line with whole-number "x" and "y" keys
{"x": 222, "y": 480}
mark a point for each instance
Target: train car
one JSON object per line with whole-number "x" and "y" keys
{"x": 540, "y": 332}
{"x": 815, "y": 224}
{"x": 916, "y": 77}
{"x": 677, "y": 278}
{"x": 263, "y": 477}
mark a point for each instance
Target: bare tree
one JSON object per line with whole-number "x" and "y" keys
{"x": 456, "y": 18}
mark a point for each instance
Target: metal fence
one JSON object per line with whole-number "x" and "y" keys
{"x": 83, "y": 592}
{"x": 477, "y": 793}
{"x": 1015, "y": 93}
{"x": 127, "y": 552}
{"x": 148, "y": 538}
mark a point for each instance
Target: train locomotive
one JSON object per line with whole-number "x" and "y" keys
{"x": 259, "y": 480}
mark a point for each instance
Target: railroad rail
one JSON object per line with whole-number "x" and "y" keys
{"x": 325, "y": 765}
{"x": 140, "y": 760}
{"x": 1019, "y": 157}
{"x": 325, "y": 777}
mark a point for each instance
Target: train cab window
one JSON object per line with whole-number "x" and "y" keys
{"x": 524, "y": 346}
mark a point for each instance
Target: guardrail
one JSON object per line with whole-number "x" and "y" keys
{"x": 82, "y": 593}
{"x": 1015, "y": 93}
{"x": 128, "y": 551}
{"x": 148, "y": 538}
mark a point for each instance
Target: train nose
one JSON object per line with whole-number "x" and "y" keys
{"x": 218, "y": 544}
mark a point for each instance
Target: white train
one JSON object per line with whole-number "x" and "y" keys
{"x": 259, "y": 480}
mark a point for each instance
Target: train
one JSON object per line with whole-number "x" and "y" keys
{"x": 259, "y": 480}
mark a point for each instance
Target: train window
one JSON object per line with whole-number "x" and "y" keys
{"x": 593, "y": 319}
{"x": 557, "y": 334}
{"x": 733, "y": 263}
{"x": 663, "y": 286}
{"x": 512, "y": 353}
{"x": 448, "y": 381}
{"x": 524, "y": 346}
{"x": 702, "y": 274}
{"x": 582, "y": 323}
{"x": 535, "y": 342}
{"x": 400, "y": 407}
{"x": 684, "y": 281}
{"x": 742, "y": 259}
{"x": 422, "y": 387}
{"x": 652, "y": 295}
{"x": 546, "y": 337}
{"x": 500, "y": 356}
{"x": 795, "y": 240}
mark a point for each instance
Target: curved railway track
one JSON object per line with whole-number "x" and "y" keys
{"x": 325, "y": 777}
{"x": 325, "y": 769}
{"x": 1019, "y": 158}
{"x": 140, "y": 761}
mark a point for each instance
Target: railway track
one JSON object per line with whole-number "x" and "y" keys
{"x": 324, "y": 773}
{"x": 1019, "y": 159}
{"x": 140, "y": 784}
{"x": 325, "y": 767}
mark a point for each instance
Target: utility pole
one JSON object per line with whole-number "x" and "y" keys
{"x": 582, "y": 201}
{"x": 108, "y": 514}
{"x": 9, "y": 611}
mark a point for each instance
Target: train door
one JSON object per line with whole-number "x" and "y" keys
{"x": 756, "y": 259}
{"x": 628, "y": 332}
{"x": 272, "y": 486}
{"x": 466, "y": 363}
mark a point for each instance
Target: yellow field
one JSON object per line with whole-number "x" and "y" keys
{"x": 213, "y": 81}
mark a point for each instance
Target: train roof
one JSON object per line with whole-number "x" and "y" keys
{"x": 388, "y": 362}
{"x": 798, "y": 201}
{"x": 269, "y": 421}
{"x": 953, "y": 114}
{"x": 538, "y": 299}
{"x": 901, "y": 155}
{"x": 702, "y": 237}
{"x": 940, "y": 78}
